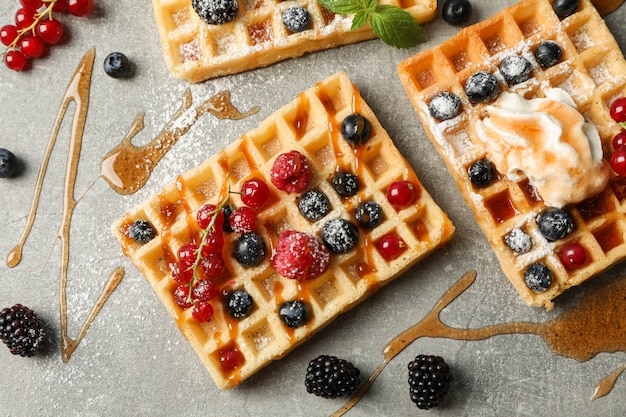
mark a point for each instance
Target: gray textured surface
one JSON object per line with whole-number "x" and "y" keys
{"x": 133, "y": 360}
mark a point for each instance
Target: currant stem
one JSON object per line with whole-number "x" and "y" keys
{"x": 38, "y": 17}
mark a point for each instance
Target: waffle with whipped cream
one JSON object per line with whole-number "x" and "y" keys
{"x": 545, "y": 196}
{"x": 257, "y": 36}
{"x": 310, "y": 125}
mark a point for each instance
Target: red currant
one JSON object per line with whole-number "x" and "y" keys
{"x": 187, "y": 255}
{"x": 80, "y": 7}
{"x": 24, "y": 17}
{"x": 15, "y": 60}
{"x": 243, "y": 220}
{"x": 619, "y": 141}
{"x": 255, "y": 193}
{"x": 60, "y": 6}
{"x": 573, "y": 255}
{"x": 180, "y": 273}
{"x": 8, "y": 34}
{"x": 213, "y": 243}
{"x": 181, "y": 296}
{"x": 204, "y": 290}
{"x": 202, "y": 311}
{"x": 205, "y": 215}
{"x": 618, "y": 162}
{"x": 50, "y": 30}
{"x": 230, "y": 359}
{"x": 391, "y": 246}
{"x": 618, "y": 110}
{"x": 32, "y": 46}
{"x": 32, "y": 4}
{"x": 402, "y": 194}
{"x": 212, "y": 265}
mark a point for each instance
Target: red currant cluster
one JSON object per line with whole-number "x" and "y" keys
{"x": 198, "y": 265}
{"x": 618, "y": 159}
{"x": 35, "y": 28}
{"x": 400, "y": 194}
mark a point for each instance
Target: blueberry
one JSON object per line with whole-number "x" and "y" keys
{"x": 227, "y": 210}
{"x": 356, "y": 129}
{"x": 294, "y": 313}
{"x": 515, "y": 69}
{"x": 346, "y": 184}
{"x": 296, "y": 19}
{"x": 369, "y": 214}
{"x": 518, "y": 241}
{"x": 116, "y": 65}
{"x": 445, "y": 106}
{"x": 8, "y": 163}
{"x": 457, "y": 12}
{"x": 340, "y": 235}
{"x": 314, "y": 205}
{"x": 481, "y": 87}
{"x": 216, "y": 12}
{"x": 482, "y": 173}
{"x": 239, "y": 304}
{"x": 564, "y": 8}
{"x": 249, "y": 249}
{"x": 538, "y": 277}
{"x": 548, "y": 54}
{"x": 141, "y": 231}
{"x": 555, "y": 224}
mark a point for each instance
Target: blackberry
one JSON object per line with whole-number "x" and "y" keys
{"x": 340, "y": 235}
{"x": 249, "y": 249}
{"x": 482, "y": 173}
{"x": 548, "y": 54}
{"x": 216, "y": 12}
{"x": 294, "y": 313}
{"x": 445, "y": 106}
{"x": 141, "y": 231}
{"x": 481, "y": 87}
{"x": 346, "y": 184}
{"x": 356, "y": 129}
{"x": 369, "y": 214}
{"x": 296, "y": 19}
{"x": 555, "y": 223}
{"x": 8, "y": 163}
{"x": 565, "y": 8}
{"x": 117, "y": 65}
{"x": 239, "y": 304}
{"x": 429, "y": 378}
{"x": 515, "y": 69}
{"x": 331, "y": 377}
{"x": 21, "y": 330}
{"x": 314, "y": 205}
{"x": 538, "y": 277}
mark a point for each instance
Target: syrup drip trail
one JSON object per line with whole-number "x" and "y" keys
{"x": 127, "y": 167}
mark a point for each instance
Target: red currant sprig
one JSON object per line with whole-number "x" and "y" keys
{"x": 618, "y": 159}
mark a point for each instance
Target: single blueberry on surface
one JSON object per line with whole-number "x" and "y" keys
{"x": 515, "y": 69}
{"x": 444, "y": 106}
{"x": 294, "y": 313}
{"x": 296, "y": 19}
{"x": 555, "y": 223}
{"x": 538, "y": 277}
{"x": 481, "y": 87}
{"x": 482, "y": 173}
{"x": 456, "y": 12}
{"x": 8, "y": 163}
{"x": 548, "y": 54}
{"x": 117, "y": 65}
{"x": 356, "y": 129}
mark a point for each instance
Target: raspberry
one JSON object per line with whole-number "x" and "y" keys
{"x": 300, "y": 256}
{"x": 21, "y": 330}
{"x": 291, "y": 172}
{"x": 429, "y": 378}
{"x": 331, "y": 377}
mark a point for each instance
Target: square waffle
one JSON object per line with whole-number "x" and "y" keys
{"x": 592, "y": 71}
{"x": 310, "y": 124}
{"x": 196, "y": 51}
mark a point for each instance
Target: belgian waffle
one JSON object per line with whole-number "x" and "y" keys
{"x": 195, "y": 50}
{"x": 592, "y": 71}
{"x": 310, "y": 124}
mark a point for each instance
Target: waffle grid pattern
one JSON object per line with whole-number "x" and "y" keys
{"x": 196, "y": 51}
{"x": 592, "y": 71}
{"x": 310, "y": 124}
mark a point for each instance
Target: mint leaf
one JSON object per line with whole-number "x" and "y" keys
{"x": 360, "y": 18}
{"x": 396, "y": 27}
{"x": 342, "y": 6}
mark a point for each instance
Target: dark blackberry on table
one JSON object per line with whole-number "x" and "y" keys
{"x": 331, "y": 377}
{"x": 21, "y": 330}
{"x": 429, "y": 379}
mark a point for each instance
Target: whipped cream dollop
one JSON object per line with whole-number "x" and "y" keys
{"x": 547, "y": 140}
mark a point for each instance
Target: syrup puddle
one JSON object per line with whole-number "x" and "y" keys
{"x": 596, "y": 324}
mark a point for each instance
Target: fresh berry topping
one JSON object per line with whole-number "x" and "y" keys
{"x": 8, "y": 162}
{"x": 619, "y": 141}
{"x": 32, "y": 46}
{"x": 230, "y": 359}
{"x": 340, "y": 235}
{"x": 117, "y": 65}
{"x": 50, "y": 30}
{"x": 445, "y": 106}
{"x": 618, "y": 110}
{"x": 391, "y": 246}
{"x": 80, "y": 7}
{"x": 518, "y": 241}
{"x": 291, "y": 172}
{"x": 300, "y": 256}
{"x": 22, "y": 330}
{"x": 249, "y": 249}
{"x": 141, "y": 231}
{"x": 481, "y": 87}
{"x": 181, "y": 296}
{"x": 181, "y": 273}
{"x": 457, "y": 12}
{"x": 32, "y": 4}
{"x": 204, "y": 290}
{"x": 227, "y": 211}
{"x": 205, "y": 216}
{"x": 548, "y": 54}
{"x": 482, "y": 173}
{"x": 255, "y": 193}
{"x": 239, "y": 304}
{"x": 538, "y": 277}
{"x": 8, "y": 34}
{"x": 216, "y": 12}
{"x": 369, "y": 214}
{"x": 15, "y": 60}
{"x": 356, "y": 129}
{"x": 187, "y": 254}
{"x": 331, "y": 377}
{"x": 212, "y": 265}
{"x": 555, "y": 224}
{"x": 25, "y": 17}
{"x": 429, "y": 379}
{"x": 346, "y": 184}
{"x": 213, "y": 242}
{"x": 296, "y": 19}
{"x": 573, "y": 255}
{"x": 618, "y": 162}
{"x": 314, "y": 205}
{"x": 294, "y": 313}
{"x": 401, "y": 194}
{"x": 564, "y": 8}
{"x": 515, "y": 69}
{"x": 243, "y": 220}
{"x": 202, "y": 311}
{"x": 60, "y": 6}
